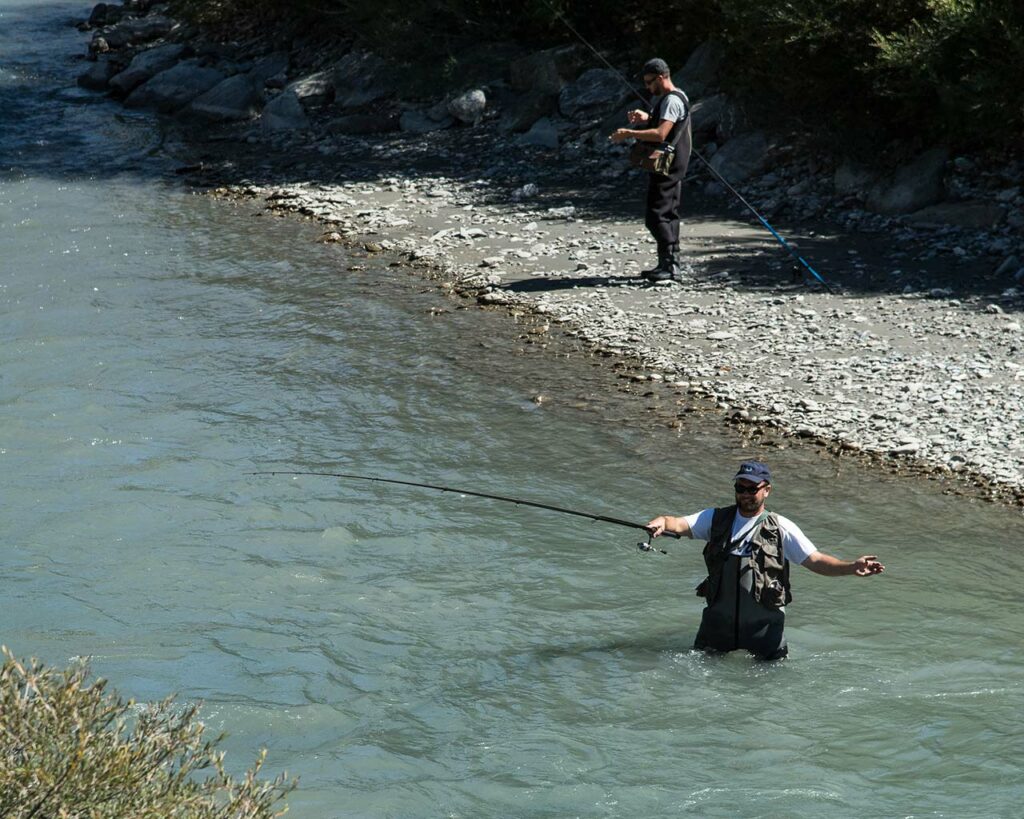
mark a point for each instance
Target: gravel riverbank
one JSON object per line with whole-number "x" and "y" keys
{"x": 929, "y": 381}
{"x": 914, "y": 359}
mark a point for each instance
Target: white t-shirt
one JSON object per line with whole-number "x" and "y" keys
{"x": 795, "y": 544}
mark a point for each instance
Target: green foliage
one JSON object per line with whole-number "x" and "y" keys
{"x": 69, "y": 749}
{"x": 959, "y": 66}
{"x": 877, "y": 68}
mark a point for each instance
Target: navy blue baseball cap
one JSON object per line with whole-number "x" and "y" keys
{"x": 754, "y": 471}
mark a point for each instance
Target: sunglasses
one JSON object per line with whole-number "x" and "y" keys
{"x": 744, "y": 489}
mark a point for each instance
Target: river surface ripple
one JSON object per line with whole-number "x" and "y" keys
{"x": 413, "y": 654}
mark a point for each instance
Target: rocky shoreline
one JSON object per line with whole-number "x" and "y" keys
{"x": 914, "y": 360}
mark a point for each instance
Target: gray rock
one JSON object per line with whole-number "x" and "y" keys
{"x": 546, "y": 71}
{"x": 543, "y": 134}
{"x": 314, "y": 91}
{"x": 136, "y": 31}
{"x": 284, "y": 113}
{"x": 525, "y": 110}
{"x": 420, "y": 122}
{"x": 702, "y": 70}
{"x": 360, "y": 78}
{"x": 707, "y": 114}
{"x": 269, "y": 67}
{"x": 174, "y": 88}
{"x": 851, "y": 179}
{"x": 105, "y": 14}
{"x": 469, "y": 107}
{"x": 362, "y": 124}
{"x": 914, "y": 186}
{"x": 976, "y": 215}
{"x": 146, "y": 64}
{"x": 741, "y": 157}
{"x": 596, "y": 90}
{"x": 97, "y": 76}
{"x": 233, "y": 99}
{"x": 1008, "y": 265}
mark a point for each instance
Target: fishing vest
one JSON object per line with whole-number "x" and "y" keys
{"x": 770, "y": 582}
{"x": 680, "y": 137}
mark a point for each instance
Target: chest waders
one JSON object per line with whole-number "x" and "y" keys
{"x": 745, "y": 594}
{"x": 664, "y": 192}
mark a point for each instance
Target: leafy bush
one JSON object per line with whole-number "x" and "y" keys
{"x": 929, "y": 69}
{"x": 959, "y": 66}
{"x": 69, "y": 749}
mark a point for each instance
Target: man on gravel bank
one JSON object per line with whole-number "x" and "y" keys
{"x": 667, "y": 125}
{"x": 748, "y": 553}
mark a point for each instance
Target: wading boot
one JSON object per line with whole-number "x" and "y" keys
{"x": 668, "y": 266}
{"x": 654, "y": 271}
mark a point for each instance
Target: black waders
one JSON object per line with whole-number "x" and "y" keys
{"x": 736, "y": 621}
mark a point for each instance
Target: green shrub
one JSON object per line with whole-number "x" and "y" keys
{"x": 957, "y": 67}
{"x": 915, "y": 69}
{"x": 70, "y": 749}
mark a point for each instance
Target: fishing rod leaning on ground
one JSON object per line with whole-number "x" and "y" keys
{"x": 786, "y": 246}
{"x": 641, "y": 547}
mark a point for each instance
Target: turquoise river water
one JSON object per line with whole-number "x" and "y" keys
{"x": 411, "y": 654}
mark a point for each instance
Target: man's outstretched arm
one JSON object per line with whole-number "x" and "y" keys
{"x": 864, "y": 566}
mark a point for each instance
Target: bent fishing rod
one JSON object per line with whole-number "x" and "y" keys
{"x": 789, "y": 249}
{"x": 643, "y": 547}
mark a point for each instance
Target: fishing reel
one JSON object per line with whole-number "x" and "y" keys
{"x": 649, "y": 545}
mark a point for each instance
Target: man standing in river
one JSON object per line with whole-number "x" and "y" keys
{"x": 748, "y": 553}
{"x": 668, "y": 124}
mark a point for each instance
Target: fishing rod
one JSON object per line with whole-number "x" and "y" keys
{"x": 643, "y": 547}
{"x": 789, "y": 249}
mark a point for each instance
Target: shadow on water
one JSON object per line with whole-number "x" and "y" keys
{"x": 55, "y": 129}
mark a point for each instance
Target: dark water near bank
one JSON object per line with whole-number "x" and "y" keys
{"x": 412, "y": 654}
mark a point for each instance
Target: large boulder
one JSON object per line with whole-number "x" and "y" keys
{"x": 138, "y": 30}
{"x": 524, "y": 110}
{"x": 174, "y": 88}
{"x": 469, "y": 107}
{"x": 853, "y": 179}
{"x": 314, "y": 91}
{"x": 236, "y": 98}
{"x": 146, "y": 64}
{"x": 717, "y": 118}
{"x": 546, "y": 71}
{"x": 912, "y": 187}
{"x": 543, "y": 134}
{"x": 360, "y": 78}
{"x": 741, "y": 157}
{"x": 105, "y": 14}
{"x": 596, "y": 91}
{"x": 271, "y": 66}
{"x": 97, "y": 76}
{"x": 702, "y": 70}
{"x": 977, "y": 215}
{"x": 284, "y": 113}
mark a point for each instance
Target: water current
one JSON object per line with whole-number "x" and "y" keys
{"x": 414, "y": 654}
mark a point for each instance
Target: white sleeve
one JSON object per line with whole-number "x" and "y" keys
{"x": 700, "y": 524}
{"x": 796, "y": 546}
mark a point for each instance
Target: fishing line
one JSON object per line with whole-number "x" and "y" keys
{"x": 789, "y": 249}
{"x": 643, "y": 547}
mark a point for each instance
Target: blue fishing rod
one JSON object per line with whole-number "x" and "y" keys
{"x": 789, "y": 249}
{"x": 643, "y": 547}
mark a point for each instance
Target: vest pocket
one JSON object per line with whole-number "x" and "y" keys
{"x": 773, "y": 594}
